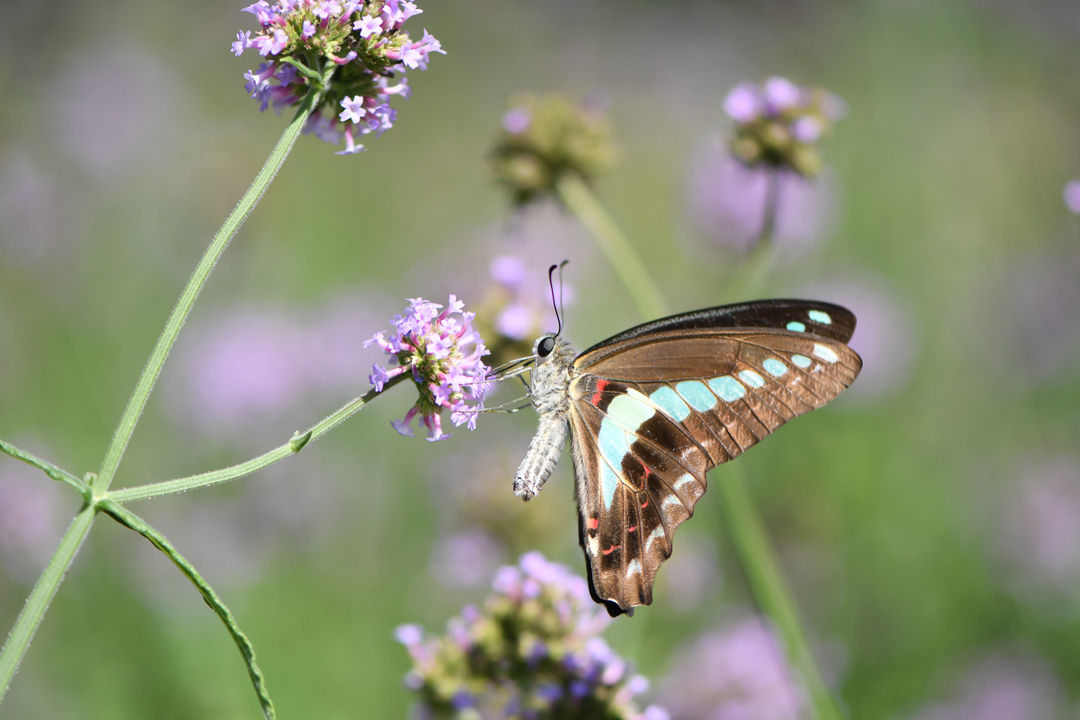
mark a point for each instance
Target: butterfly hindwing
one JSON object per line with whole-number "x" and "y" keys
{"x": 649, "y": 474}
{"x": 655, "y": 407}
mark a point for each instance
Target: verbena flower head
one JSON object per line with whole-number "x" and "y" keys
{"x": 532, "y": 651}
{"x": 363, "y": 37}
{"x": 779, "y": 124}
{"x": 544, "y": 138}
{"x": 444, "y": 353}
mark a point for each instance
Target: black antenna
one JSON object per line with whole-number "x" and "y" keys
{"x": 551, "y": 284}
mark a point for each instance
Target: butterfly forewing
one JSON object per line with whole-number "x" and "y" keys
{"x": 655, "y": 407}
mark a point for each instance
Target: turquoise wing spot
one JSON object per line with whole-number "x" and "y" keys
{"x": 625, "y": 411}
{"x": 820, "y": 316}
{"x": 774, "y": 367}
{"x": 825, "y": 353}
{"x": 728, "y": 388}
{"x": 796, "y": 326}
{"x": 802, "y": 361}
{"x": 630, "y": 412}
{"x": 695, "y": 393}
{"x": 612, "y": 442}
{"x": 752, "y": 379}
{"x": 670, "y": 402}
{"x": 608, "y": 482}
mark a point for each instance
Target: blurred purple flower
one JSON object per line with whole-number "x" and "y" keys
{"x": 516, "y": 121}
{"x": 781, "y": 94}
{"x": 233, "y": 539}
{"x": 434, "y": 346}
{"x": 1002, "y": 687}
{"x": 779, "y": 124}
{"x": 248, "y": 366}
{"x": 1037, "y": 527}
{"x": 691, "y": 575}
{"x": 527, "y": 311}
{"x": 744, "y": 103}
{"x": 735, "y": 673}
{"x": 1071, "y": 195}
{"x": 40, "y": 216}
{"x": 117, "y": 110}
{"x": 727, "y": 203}
{"x": 34, "y": 511}
{"x": 466, "y": 559}
{"x": 884, "y": 336}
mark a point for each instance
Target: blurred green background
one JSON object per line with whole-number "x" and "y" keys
{"x": 929, "y": 523}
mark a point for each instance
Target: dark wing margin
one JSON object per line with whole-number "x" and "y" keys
{"x": 654, "y": 411}
{"x": 757, "y": 314}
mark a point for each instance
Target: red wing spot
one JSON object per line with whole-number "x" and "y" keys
{"x": 644, "y": 467}
{"x": 600, "y": 385}
{"x": 612, "y": 549}
{"x": 592, "y": 523}
{"x": 631, "y": 529}
{"x": 645, "y": 505}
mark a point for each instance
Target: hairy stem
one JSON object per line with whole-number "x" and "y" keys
{"x": 620, "y": 253}
{"x": 56, "y": 473}
{"x": 187, "y": 299}
{"x": 40, "y": 597}
{"x": 295, "y": 445}
{"x": 129, "y": 519}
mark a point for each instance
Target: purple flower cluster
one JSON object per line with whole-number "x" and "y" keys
{"x": 362, "y": 37}
{"x": 780, "y": 123}
{"x": 432, "y": 343}
{"x": 533, "y": 651}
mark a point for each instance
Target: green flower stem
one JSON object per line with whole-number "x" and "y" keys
{"x": 627, "y": 264}
{"x": 295, "y": 445}
{"x": 768, "y": 586}
{"x": 763, "y": 255}
{"x": 127, "y": 518}
{"x": 187, "y": 299}
{"x": 48, "y": 468}
{"x": 742, "y": 518}
{"x": 40, "y": 597}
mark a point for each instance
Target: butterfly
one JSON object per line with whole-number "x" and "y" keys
{"x": 651, "y": 410}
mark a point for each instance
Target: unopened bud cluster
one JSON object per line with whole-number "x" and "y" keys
{"x": 544, "y": 138}
{"x": 533, "y": 651}
{"x": 779, "y": 124}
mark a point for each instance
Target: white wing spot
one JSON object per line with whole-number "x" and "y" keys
{"x": 634, "y": 566}
{"x": 825, "y": 352}
{"x": 657, "y": 533}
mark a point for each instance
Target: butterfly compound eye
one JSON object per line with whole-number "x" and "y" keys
{"x": 545, "y": 347}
